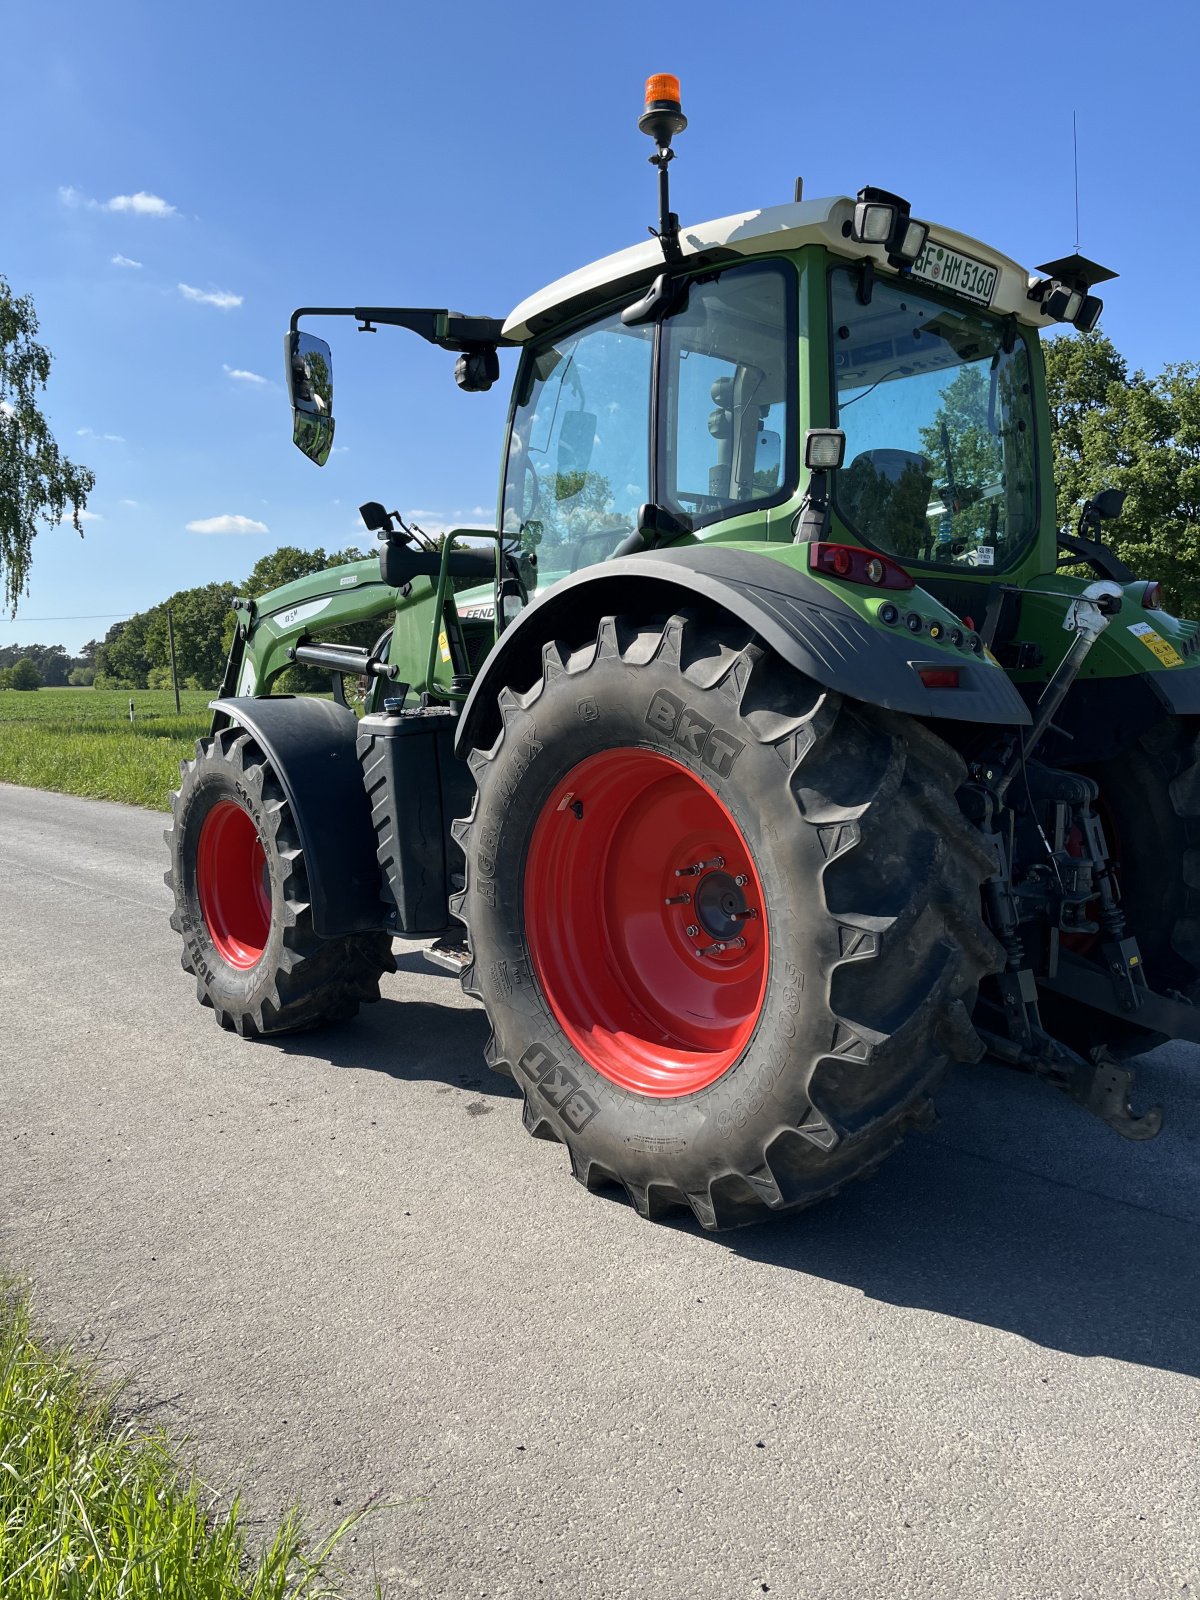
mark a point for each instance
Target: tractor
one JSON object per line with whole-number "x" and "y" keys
{"x": 773, "y": 753}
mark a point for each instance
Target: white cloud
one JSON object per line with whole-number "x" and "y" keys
{"x": 340, "y": 450}
{"x": 240, "y": 373}
{"x": 227, "y": 524}
{"x": 221, "y": 298}
{"x": 140, "y": 204}
{"x": 107, "y": 438}
{"x": 124, "y": 261}
{"x": 130, "y": 502}
{"x": 89, "y": 516}
{"x": 7, "y": 409}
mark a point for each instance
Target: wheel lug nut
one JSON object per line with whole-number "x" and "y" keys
{"x": 684, "y": 899}
{"x": 741, "y": 880}
{"x": 691, "y": 930}
{"x": 697, "y": 867}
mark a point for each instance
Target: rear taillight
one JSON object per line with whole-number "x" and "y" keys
{"x": 939, "y": 677}
{"x": 856, "y": 565}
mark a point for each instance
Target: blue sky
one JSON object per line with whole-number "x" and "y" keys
{"x": 254, "y": 157}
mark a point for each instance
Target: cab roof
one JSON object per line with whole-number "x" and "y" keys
{"x": 751, "y": 233}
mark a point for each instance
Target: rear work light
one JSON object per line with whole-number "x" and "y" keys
{"x": 1152, "y": 596}
{"x": 856, "y": 565}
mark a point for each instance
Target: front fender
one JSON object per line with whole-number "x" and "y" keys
{"x": 802, "y": 619}
{"x": 311, "y": 747}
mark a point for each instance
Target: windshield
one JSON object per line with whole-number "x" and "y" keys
{"x": 579, "y": 462}
{"x": 938, "y": 418}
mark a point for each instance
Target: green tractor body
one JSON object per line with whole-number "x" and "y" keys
{"x": 775, "y": 749}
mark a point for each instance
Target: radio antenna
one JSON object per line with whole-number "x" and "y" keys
{"x": 1075, "y": 148}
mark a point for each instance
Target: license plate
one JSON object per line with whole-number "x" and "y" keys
{"x": 950, "y": 269}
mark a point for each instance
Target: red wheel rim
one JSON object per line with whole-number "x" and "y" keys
{"x": 660, "y": 994}
{"x": 233, "y": 884}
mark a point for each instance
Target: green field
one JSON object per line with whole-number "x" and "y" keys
{"x": 81, "y": 741}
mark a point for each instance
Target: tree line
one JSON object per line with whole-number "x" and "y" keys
{"x": 136, "y": 654}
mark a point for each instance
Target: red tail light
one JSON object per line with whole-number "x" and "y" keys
{"x": 856, "y": 565}
{"x": 938, "y": 677}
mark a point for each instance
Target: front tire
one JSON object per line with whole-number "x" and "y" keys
{"x": 751, "y": 1049}
{"x": 242, "y": 902}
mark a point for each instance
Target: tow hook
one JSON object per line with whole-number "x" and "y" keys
{"x": 1100, "y": 1084}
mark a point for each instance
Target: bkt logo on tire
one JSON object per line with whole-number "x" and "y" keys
{"x": 712, "y": 746}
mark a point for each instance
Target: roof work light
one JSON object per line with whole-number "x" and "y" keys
{"x": 1063, "y": 293}
{"x": 881, "y": 217}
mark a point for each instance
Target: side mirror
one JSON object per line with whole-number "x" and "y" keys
{"x": 576, "y": 440}
{"x": 1102, "y": 507}
{"x": 308, "y": 363}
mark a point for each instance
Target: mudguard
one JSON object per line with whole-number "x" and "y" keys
{"x": 801, "y": 619}
{"x": 311, "y": 746}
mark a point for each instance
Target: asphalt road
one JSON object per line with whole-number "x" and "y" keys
{"x": 341, "y": 1266}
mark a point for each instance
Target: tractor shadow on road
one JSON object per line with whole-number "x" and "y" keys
{"x": 1020, "y": 1212}
{"x": 414, "y": 1041}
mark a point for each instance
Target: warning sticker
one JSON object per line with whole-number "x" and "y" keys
{"x": 1162, "y": 648}
{"x": 444, "y": 646}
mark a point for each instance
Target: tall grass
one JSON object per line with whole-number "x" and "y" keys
{"x": 91, "y": 1510}
{"x": 81, "y": 741}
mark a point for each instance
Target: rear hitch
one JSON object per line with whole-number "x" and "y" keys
{"x": 1099, "y": 1084}
{"x": 1103, "y": 1086}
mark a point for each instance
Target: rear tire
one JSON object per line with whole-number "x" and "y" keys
{"x": 750, "y": 1079}
{"x": 242, "y": 902}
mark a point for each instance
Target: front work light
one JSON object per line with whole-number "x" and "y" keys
{"x": 824, "y": 449}
{"x": 881, "y": 217}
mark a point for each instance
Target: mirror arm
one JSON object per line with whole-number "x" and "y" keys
{"x": 449, "y": 329}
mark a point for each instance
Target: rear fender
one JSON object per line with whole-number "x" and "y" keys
{"x": 802, "y": 619}
{"x": 311, "y": 747}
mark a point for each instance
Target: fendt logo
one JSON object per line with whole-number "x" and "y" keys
{"x": 712, "y": 746}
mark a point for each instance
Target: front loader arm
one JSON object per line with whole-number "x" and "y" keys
{"x": 270, "y": 628}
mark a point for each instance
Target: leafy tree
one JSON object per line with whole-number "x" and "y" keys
{"x": 82, "y": 677}
{"x": 36, "y": 479}
{"x": 122, "y": 660}
{"x": 24, "y": 675}
{"x": 199, "y": 618}
{"x": 1122, "y": 430}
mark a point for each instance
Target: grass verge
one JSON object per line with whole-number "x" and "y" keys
{"x": 89, "y": 1510}
{"x": 81, "y": 741}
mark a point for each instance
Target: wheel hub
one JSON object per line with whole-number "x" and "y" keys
{"x": 720, "y": 905}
